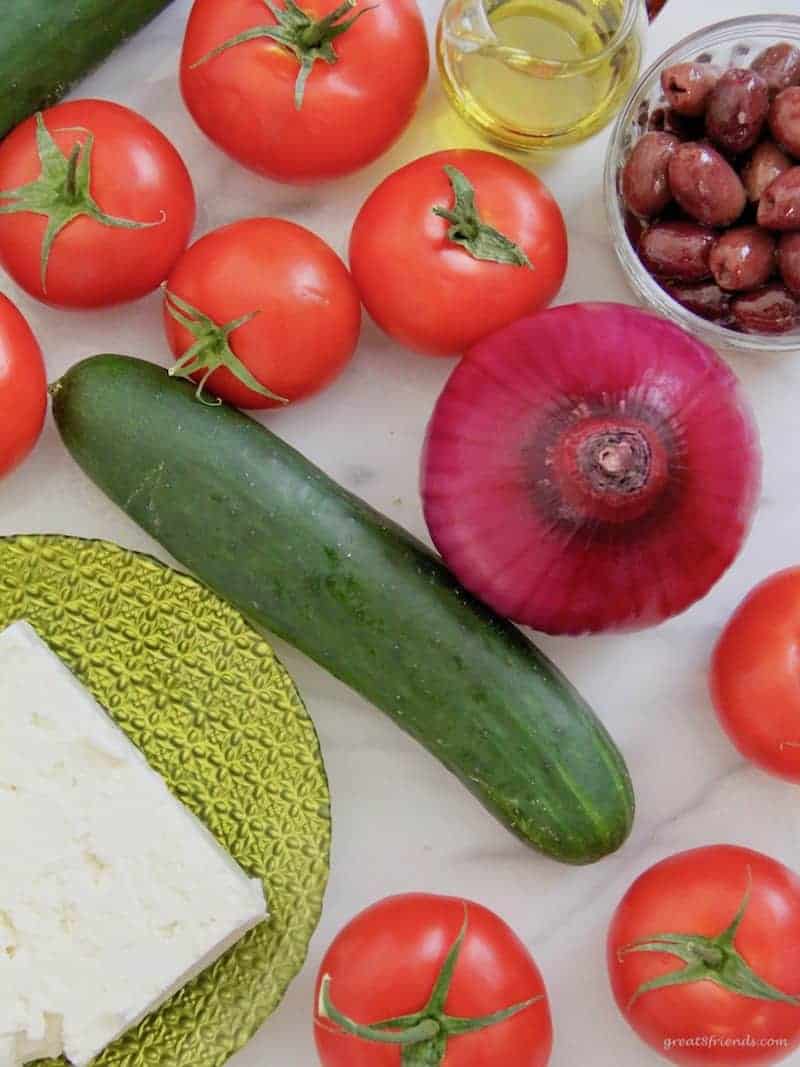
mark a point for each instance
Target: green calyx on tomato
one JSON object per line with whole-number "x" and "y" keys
{"x": 62, "y": 192}
{"x": 470, "y": 231}
{"x": 308, "y": 39}
{"x": 422, "y": 1036}
{"x": 211, "y": 349}
{"x": 712, "y": 959}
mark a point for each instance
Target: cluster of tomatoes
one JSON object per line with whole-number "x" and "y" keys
{"x": 97, "y": 208}
{"x": 703, "y": 951}
{"x": 702, "y": 957}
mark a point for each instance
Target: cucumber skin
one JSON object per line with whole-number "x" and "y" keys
{"x": 303, "y": 558}
{"x": 47, "y": 45}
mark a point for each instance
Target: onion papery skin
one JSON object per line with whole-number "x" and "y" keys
{"x": 590, "y": 468}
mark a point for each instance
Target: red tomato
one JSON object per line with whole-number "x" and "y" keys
{"x": 754, "y": 678}
{"x": 695, "y": 897}
{"x": 429, "y": 292}
{"x": 352, "y": 109}
{"x": 308, "y": 315}
{"x": 386, "y": 962}
{"x": 23, "y": 387}
{"x": 135, "y": 177}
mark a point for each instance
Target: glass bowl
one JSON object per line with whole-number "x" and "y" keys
{"x": 734, "y": 43}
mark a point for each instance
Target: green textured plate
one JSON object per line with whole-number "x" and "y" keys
{"x": 218, "y": 716}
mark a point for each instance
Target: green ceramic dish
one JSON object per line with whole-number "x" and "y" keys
{"x": 218, "y": 716}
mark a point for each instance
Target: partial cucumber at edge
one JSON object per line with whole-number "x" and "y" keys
{"x": 47, "y": 45}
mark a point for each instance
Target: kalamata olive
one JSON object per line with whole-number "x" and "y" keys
{"x": 705, "y": 185}
{"x": 766, "y": 164}
{"x": 779, "y": 66}
{"x": 687, "y": 86}
{"x": 645, "y": 184}
{"x": 784, "y": 120}
{"x": 779, "y": 206}
{"x": 677, "y": 250}
{"x": 667, "y": 120}
{"x": 789, "y": 261}
{"x": 743, "y": 258}
{"x": 737, "y": 109}
{"x": 634, "y": 227}
{"x": 705, "y": 299}
{"x": 772, "y": 309}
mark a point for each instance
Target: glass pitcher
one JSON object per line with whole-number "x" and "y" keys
{"x": 540, "y": 73}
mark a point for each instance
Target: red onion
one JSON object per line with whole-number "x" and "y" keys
{"x": 590, "y": 468}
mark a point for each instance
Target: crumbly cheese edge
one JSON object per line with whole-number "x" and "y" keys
{"x": 22, "y": 632}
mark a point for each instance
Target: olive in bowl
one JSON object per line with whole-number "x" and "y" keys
{"x": 789, "y": 262}
{"x": 766, "y": 163}
{"x": 703, "y": 184}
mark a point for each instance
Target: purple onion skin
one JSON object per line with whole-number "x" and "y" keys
{"x": 578, "y": 473}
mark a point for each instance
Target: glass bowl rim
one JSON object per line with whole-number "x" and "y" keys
{"x": 633, "y": 10}
{"x": 644, "y": 285}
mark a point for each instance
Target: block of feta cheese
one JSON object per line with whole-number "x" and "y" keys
{"x": 112, "y": 893}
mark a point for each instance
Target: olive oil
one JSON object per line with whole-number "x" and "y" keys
{"x": 533, "y": 73}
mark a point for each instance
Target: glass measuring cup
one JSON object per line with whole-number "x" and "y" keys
{"x": 540, "y": 73}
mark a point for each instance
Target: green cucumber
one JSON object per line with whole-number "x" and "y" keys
{"x": 303, "y": 558}
{"x": 47, "y": 45}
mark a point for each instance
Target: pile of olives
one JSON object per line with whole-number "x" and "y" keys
{"x": 713, "y": 191}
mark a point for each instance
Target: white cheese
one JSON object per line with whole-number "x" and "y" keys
{"x": 112, "y": 894}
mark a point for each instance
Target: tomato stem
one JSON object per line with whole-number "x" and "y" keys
{"x": 71, "y": 181}
{"x": 424, "y": 1034}
{"x": 62, "y": 192}
{"x": 711, "y": 955}
{"x": 424, "y": 1030}
{"x": 211, "y": 349}
{"x": 470, "y": 231}
{"x": 307, "y": 38}
{"x": 712, "y": 959}
{"x": 317, "y": 32}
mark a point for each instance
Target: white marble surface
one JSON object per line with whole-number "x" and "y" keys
{"x": 400, "y": 822}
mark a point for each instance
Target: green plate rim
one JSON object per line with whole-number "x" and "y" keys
{"x": 242, "y": 1035}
